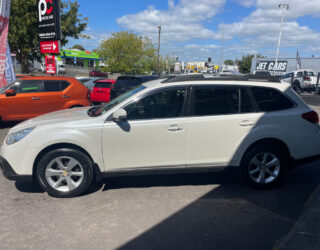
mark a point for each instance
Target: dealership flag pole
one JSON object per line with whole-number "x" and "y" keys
{"x": 4, "y": 26}
{"x": 284, "y": 7}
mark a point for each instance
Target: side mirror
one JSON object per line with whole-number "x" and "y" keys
{"x": 119, "y": 115}
{"x": 10, "y": 92}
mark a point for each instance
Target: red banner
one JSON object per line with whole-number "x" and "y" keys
{"x": 4, "y": 26}
{"x": 50, "y": 64}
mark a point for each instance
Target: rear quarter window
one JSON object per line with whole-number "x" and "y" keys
{"x": 269, "y": 99}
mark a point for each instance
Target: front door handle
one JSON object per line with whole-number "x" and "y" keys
{"x": 246, "y": 123}
{"x": 35, "y": 98}
{"x": 174, "y": 128}
{"x": 65, "y": 96}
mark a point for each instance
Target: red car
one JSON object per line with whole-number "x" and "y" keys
{"x": 97, "y": 73}
{"x": 101, "y": 91}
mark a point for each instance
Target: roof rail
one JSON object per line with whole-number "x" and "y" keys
{"x": 220, "y": 77}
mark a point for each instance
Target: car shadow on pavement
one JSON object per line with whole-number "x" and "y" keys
{"x": 4, "y": 125}
{"x": 29, "y": 187}
{"x": 230, "y": 216}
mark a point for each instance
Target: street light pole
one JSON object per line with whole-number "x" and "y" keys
{"x": 284, "y": 7}
{"x": 158, "y": 59}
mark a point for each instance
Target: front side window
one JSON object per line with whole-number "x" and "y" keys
{"x": 27, "y": 86}
{"x": 216, "y": 100}
{"x": 269, "y": 99}
{"x": 165, "y": 104}
{"x": 299, "y": 74}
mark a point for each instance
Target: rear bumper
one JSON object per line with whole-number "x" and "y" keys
{"x": 10, "y": 174}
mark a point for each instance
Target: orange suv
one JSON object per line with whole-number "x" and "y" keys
{"x": 33, "y": 96}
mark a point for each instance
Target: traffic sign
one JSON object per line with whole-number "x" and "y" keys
{"x": 50, "y": 47}
{"x": 50, "y": 64}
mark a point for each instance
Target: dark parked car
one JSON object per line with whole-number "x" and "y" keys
{"x": 125, "y": 83}
{"x": 97, "y": 73}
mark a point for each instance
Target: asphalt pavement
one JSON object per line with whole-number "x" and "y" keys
{"x": 189, "y": 211}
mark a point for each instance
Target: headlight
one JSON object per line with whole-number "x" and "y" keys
{"x": 18, "y": 136}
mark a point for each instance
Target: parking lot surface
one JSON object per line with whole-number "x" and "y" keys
{"x": 190, "y": 211}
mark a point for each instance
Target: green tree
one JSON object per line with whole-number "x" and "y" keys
{"x": 245, "y": 62}
{"x": 229, "y": 62}
{"x": 23, "y": 28}
{"x": 128, "y": 53}
{"x": 78, "y": 47}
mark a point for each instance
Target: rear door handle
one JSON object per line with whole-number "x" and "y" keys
{"x": 174, "y": 128}
{"x": 35, "y": 98}
{"x": 246, "y": 123}
{"x": 65, "y": 96}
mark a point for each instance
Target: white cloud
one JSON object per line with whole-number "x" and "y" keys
{"x": 261, "y": 28}
{"x": 247, "y": 3}
{"x": 181, "y": 22}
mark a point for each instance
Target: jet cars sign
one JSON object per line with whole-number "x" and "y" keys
{"x": 276, "y": 69}
{"x": 49, "y": 19}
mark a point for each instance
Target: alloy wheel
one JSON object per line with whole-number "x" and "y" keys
{"x": 64, "y": 174}
{"x": 264, "y": 168}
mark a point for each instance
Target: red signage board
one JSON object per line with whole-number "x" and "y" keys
{"x": 50, "y": 47}
{"x": 50, "y": 64}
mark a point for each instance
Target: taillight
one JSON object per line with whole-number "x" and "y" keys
{"x": 311, "y": 116}
{"x": 307, "y": 78}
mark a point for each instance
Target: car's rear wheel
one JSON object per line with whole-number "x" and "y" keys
{"x": 297, "y": 88}
{"x": 65, "y": 172}
{"x": 263, "y": 166}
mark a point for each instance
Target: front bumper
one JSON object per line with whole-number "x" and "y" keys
{"x": 10, "y": 174}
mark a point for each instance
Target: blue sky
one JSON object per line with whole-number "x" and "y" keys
{"x": 192, "y": 29}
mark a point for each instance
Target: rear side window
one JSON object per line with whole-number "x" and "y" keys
{"x": 299, "y": 74}
{"x": 28, "y": 86}
{"x": 246, "y": 105}
{"x": 102, "y": 85}
{"x": 269, "y": 99}
{"x": 55, "y": 85}
{"x": 215, "y": 100}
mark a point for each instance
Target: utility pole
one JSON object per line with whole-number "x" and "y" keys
{"x": 158, "y": 59}
{"x": 284, "y": 7}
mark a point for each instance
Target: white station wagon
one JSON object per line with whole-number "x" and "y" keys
{"x": 186, "y": 123}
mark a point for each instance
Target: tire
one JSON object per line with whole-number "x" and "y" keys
{"x": 297, "y": 88}
{"x": 76, "y": 106}
{"x": 65, "y": 172}
{"x": 255, "y": 169}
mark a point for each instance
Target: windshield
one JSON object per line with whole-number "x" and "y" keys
{"x": 99, "y": 110}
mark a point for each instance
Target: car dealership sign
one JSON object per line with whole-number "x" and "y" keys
{"x": 278, "y": 68}
{"x": 50, "y": 64}
{"x": 49, "y": 19}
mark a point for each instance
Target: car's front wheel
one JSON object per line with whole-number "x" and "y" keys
{"x": 263, "y": 166}
{"x": 65, "y": 172}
